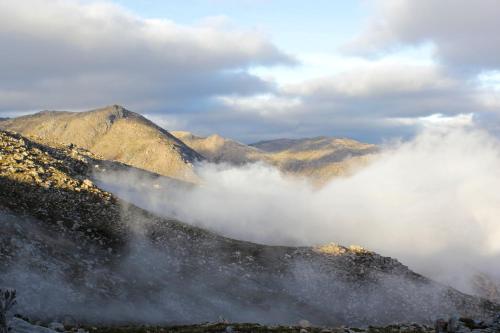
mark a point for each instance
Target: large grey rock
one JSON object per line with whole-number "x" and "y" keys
{"x": 20, "y": 326}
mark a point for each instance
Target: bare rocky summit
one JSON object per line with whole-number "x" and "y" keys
{"x": 114, "y": 133}
{"x": 73, "y": 250}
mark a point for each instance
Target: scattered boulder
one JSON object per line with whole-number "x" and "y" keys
{"x": 19, "y": 325}
{"x": 56, "y": 326}
{"x": 304, "y": 323}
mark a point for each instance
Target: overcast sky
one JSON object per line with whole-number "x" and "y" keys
{"x": 258, "y": 69}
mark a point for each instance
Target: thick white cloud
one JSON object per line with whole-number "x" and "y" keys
{"x": 464, "y": 33}
{"x": 431, "y": 202}
{"x": 438, "y": 121}
{"x": 56, "y": 53}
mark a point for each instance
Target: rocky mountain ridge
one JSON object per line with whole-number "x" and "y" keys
{"x": 319, "y": 159}
{"x": 114, "y": 133}
{"x": 219, "y": 149}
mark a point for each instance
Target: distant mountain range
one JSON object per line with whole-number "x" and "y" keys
{"x": 121, "y": 135}
{"x": 319, "y": 159}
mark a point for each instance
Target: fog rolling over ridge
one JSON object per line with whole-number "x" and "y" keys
{"x": 72, "y": 249}
{"x": 431, "y": 202}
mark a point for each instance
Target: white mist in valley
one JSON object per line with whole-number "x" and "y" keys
{"x": 432, "y": 202}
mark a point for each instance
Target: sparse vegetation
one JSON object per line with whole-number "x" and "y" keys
{"x": 7, "y": 301}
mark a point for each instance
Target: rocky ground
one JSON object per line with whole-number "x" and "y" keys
{"x": 72, "y": 249}
{"x": 452, "y": 325}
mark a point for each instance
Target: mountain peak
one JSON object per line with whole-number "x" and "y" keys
{"x": 182, "y": 135}
{"x": 117, "y": 107}
{"x": 115, "y": 110}
{"x": 114, "y": 133}
{"x": 216, "y": 139}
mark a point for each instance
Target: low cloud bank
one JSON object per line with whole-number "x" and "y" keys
{"x": 432, "y": 202}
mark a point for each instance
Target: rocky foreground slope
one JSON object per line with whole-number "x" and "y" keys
{"x": 453, "y": 325}
{"x": 74, "y": 250}
{"x": 113, "y": 133}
